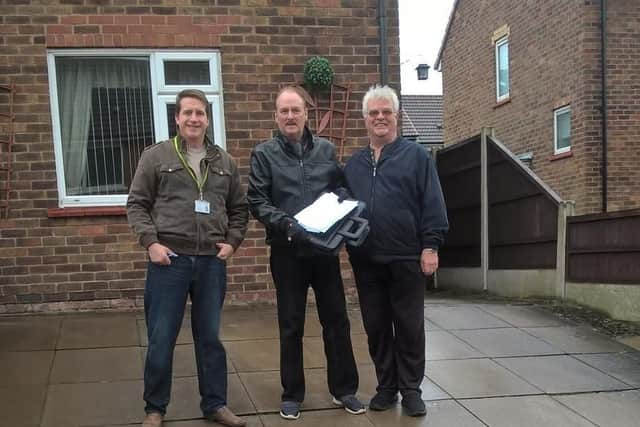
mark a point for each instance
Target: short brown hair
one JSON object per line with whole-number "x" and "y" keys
{"x": 192, "y": 93}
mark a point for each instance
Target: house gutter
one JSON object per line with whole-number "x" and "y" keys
{"x": 382, "y": 25}
{"x": 603, "y": 83}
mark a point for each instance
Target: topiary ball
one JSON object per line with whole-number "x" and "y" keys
{"x": 318, "y": 73}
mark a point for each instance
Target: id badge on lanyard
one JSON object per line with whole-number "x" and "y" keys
{"x": 201, "y": 205}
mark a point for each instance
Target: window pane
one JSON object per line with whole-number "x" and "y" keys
{"x": 563, "y": 131}
{"x": 503, "y": 69}
{"x": 187, "y": 73}
{"x": 171, "y": 121}
{"x": 106, "y": 121}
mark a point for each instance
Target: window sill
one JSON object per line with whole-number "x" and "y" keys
{"x": 555, "y": 157}
{"x": 502, "y": 102}
{"x": 94, "y": 211}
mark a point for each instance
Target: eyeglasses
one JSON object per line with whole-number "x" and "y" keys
{"x": 375, "y": 113}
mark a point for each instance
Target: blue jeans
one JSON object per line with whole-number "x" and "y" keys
{"x": 165, "y": 295}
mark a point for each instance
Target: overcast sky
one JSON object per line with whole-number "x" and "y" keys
{"x": 422, "y": 26}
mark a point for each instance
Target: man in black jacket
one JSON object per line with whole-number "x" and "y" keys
{"x": 287, "y": 174}
{"x": 406, "y": 212}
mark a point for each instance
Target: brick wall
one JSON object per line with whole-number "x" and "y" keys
{"x": 52, "y": 261}
{"x": 623, "y": 82}
{"x": 554, "y": 49}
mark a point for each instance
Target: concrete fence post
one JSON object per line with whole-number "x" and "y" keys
{"x": 565, "y": 209}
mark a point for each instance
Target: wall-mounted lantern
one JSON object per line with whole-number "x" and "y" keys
{"x": 423, "y": 71}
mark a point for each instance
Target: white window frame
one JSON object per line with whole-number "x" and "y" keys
{"x": 557, "y": 112}
{"x": 161, "y": 96}
{"x": 499, "y": 43}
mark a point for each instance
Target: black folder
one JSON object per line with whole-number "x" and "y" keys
{"x": 352, "y": 230}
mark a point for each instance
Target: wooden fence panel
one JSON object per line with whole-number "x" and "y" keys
{"x": 604, "y": 248}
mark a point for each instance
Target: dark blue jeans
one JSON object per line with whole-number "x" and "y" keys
{"x": 203, "y": 278}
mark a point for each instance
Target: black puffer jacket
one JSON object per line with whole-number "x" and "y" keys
{"x": 284, "y": 180}
{"x": 405, "y": 206}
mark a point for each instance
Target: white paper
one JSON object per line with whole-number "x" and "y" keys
{"x": 319, "y": 216}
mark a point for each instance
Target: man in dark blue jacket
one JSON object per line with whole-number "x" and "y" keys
{"x": 398, "y": 181}
{"x": 288, "y": 173}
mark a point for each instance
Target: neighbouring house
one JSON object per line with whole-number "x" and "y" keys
{"x": 553, "y": 84}
{"x": 422, "y": 119}
{"x": 95, "y": 82}
{"x": 534, "y": 71}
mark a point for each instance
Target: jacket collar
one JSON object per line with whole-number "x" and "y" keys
{"x": 387, "y": 150}
{"x": 307, "y": 141}
{"x": 212, "y": 150}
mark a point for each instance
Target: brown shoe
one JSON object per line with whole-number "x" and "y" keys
{"x": 152, "y": 419}
{"x": 225, "y": 417}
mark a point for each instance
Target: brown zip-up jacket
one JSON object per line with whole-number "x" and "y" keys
{"x": 161, "y": 203}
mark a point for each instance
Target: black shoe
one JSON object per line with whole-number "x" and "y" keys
{"x": 383, "y": 400}
{"x": 414, "y": 405}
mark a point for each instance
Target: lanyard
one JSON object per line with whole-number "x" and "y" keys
{"x": 200, "y": 184}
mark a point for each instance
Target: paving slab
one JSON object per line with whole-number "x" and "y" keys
{"x": 25, "y": 367}
{"x": 93, "y": 404}
{"x": 472, "y": 378}
{"x": 561, "y": 374}
{"x": 504, "y": 342}
{"x": 84, "y": 331}
{"x": 252, "y": 421}
{"x": 620, "y": 409}
{"x": 254, "y": 355}
{"x": 26, "y": 334}
{"x": 430, "y": 326}
{"x": 96, "y": 364}
{"x": 22, "y": 404}
{"x": 524, "y": 411}
{"x": 431, "y": 391}
{"x": 623, "y": 366}
{"x": 443, "y": 413}
{"x": 523, "y": 316}
{"x": 335, "y": 417}
{"x": 243, "y": 327}
{"x": 443, "y": 345}
{"x": 577, "y": 339}
{"x": 463, "y": 317}
{"x": 632, "y": 341}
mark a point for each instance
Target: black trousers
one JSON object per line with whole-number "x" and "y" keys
{"x": 292, "y": 276}
{"x": 392, "y": 304}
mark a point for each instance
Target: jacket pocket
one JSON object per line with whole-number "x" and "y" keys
{"x": 218, "y": 181}
{"x": 173, "y": 178}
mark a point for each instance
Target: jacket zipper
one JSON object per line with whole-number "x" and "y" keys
{"x": 304, "y": 186}
{"x": 372, "y": 198}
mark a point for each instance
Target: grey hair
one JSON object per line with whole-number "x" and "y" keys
{"x": 380, "y": 92}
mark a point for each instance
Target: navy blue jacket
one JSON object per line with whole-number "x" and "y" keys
{"x": 405, "y": 206}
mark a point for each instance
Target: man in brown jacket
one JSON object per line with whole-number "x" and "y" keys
{"x": 188, "y": 209}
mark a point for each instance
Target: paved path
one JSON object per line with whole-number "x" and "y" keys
{"x": 488, "y": 364}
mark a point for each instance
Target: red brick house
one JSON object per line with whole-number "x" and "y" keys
{"x": 95, "y": 82}
{"x": 534, "y": 71}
